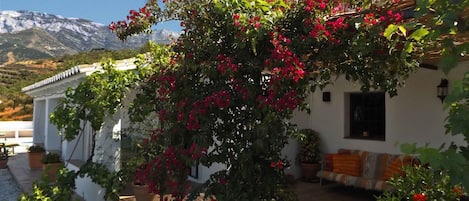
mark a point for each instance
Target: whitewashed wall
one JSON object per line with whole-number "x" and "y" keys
{"x": 416, "y": 115}
{"x": 86, "y": 189}
{"x": 107, "y": 147}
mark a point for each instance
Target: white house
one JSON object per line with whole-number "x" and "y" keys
{"x": 343, "y": 116}
{"x": 46, "y": 95}
{"x": 347, "y": 118}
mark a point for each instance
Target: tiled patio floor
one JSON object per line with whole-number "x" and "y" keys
{"x": 18, "y": 166}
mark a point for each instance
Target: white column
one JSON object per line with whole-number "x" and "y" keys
{"x": 53, "y": 140}
{"x": 38, "y": 121}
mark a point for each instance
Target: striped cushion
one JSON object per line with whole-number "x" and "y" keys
{"x": 328, "y": 161}
{"x": 395, "y": 167}
{"x": 374, "y": 164}
{"x": 347, "y": 164}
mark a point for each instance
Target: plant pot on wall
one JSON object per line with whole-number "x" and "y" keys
{"x": 35, "y": 155}
{"x": 3, "y": 163}
{"x": 3, "y": 156}
{"x": 309, "y": 171}
{"x": 51, "y": 163}
{"x": 141, "y": 193}
{"x": 51, "y": 170}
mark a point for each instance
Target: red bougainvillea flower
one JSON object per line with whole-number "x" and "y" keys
{"x": 276, "y": 164}
{"x": 420, "y": 197}
{"x": 458, "y": 190}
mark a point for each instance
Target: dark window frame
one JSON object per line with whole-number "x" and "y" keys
{"x": 366, "y": 116}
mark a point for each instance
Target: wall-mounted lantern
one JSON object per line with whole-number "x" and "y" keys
{"x": 442, "y": 89}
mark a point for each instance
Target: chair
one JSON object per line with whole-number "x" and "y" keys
{"x": 3, "y": 148}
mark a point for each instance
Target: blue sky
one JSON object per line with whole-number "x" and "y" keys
{"x": 102, "y": 11}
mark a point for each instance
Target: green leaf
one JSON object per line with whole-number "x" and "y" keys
{"x": 403, "y": 30}
{"x": 448, "y": 62}
{"x": 389, "y": 31}
{"x": 430, "y": 155}
{"x": 456, "y": 93}
{"x": 419, "y": 34}
{"x": 408, "y": 148}
{"x": 421, "y": 8}
{"x": 409, "y": 47}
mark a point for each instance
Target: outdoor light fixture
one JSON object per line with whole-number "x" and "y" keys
{"x": 442, "y": 89}
{"x": 326, "y": 96}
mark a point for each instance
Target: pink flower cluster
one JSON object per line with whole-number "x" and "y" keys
{"x": 220, "y": 99}
{"x": 168, "y": 164}
{"x": 255, "y": 21}
{"x": 290, "y": 66}
{"x": 236, "y": 20}
{"x": 225, "y": 64}
{"x": 310, "y": 4}
{"x": 420, "y": 197}
{"x": 326, "y": 29}
{"x": 167, "y": 84}
{"x": 372, "y": 19}
{"x": 277, "y": 164}
{"x": 289, "y": 100}
{"x": 240, "y": 89}
{"x": 133, "y": 18}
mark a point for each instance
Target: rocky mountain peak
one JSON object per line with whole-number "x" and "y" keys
{"x": 73, "y": 34}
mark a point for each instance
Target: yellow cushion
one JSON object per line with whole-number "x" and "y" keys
{"x": 346, "y": 164}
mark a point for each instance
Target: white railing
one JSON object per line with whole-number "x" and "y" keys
{"x": 16, "y": 129}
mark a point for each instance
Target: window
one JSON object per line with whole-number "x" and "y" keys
{"x": 366, "y": 116}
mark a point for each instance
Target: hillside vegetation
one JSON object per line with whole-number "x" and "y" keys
{"x": 14, "y": 75}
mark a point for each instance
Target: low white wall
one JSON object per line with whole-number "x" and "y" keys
{"x": 416, "y": 115}
{"x": 86, "y": 189}
{"x": 206, "y": 172}
{"x": 16, "y": 125}
{"x": 16, "y": 129}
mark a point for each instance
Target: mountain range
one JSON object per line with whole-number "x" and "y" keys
{"x": 33, "y": 35}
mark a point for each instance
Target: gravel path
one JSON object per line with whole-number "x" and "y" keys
{"x": 9, "y": 190}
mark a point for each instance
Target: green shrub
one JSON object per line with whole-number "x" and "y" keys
{"x": 51, "y": 158}
{"x": 36, "y": 149}
{"x": 421, "y": 184}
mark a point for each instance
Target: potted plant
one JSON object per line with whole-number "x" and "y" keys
{"x": 134, "y": 157}
{"x": 51, "y": 163}
{"x": 35, "y": 155}
{"x": 309, "y": 153}
{"x": 3, "y": 156}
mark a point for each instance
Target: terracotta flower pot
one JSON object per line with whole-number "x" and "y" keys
{"x": 141, "y": 193}
{"x": 3, "y": 164}
{"x": 309, "y": 171}
{"x": 35, "y": 159}
{"x": 51, "y": 170}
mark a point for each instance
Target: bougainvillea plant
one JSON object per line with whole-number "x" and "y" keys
{"x": 225, "y": 90}
{"x": 240, "y": 69}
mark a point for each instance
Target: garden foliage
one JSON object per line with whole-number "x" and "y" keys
{"x": 225, "y": 90}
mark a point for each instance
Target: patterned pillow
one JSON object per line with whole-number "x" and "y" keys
{"x": 374, "y": 165}
{"x": 346, "y": 164}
